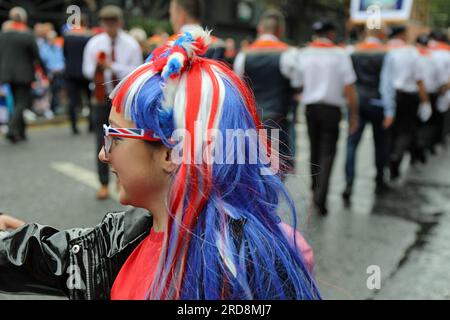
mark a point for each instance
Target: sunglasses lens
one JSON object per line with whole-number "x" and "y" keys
{"x": 107, "y": 140}
{"x": 107, "y": 145}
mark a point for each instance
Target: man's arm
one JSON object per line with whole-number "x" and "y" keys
{"x": 349, "y": 78}
{"x": 424, "y": 97}
{"x": 89, "y": 60}
{"x": 36, "y": 55}
{"x": 239, "y": 64}
{"x": 352, "y": 100}
{"x": 387, "y": 91}
{"x": 121, "y": 70}
{"x": 290, "y": 67}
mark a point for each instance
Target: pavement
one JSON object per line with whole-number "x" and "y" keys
{"x": 404, "y": 236}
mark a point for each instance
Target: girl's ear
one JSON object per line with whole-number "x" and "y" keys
{"x": 168, "y": 166}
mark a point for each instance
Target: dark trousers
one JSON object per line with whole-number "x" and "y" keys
{"x": 100, "y": 117}
{"x": 436, "y": 123}
{"x": 426, "y": 133}
{"x": 446, "y": 126}
{"x": 323, "y": 130}
{"x": 375, "y": 116}
{"x": 441, "y": 131}
{"x": 56, "y": 86}
{"x": 75, "y": 89}
{"x": 22, "y": 100}
{"x": 404, "y": 128}
{"x": 286, "y": 142}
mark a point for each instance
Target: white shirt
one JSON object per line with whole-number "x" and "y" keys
{"x": 288, "y": 61}
{"x": 432, "y": 76}
{"x": 406, "y": 69}
{"x": 127, "y": 52}
{"x": 325, "y": 72}
{"x": 188, "y": 27}
{"x": 442, "y": 59}
{"x": 401, "y": 71}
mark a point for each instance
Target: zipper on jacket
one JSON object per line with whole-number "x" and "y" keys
{"x": 88, "y": 276}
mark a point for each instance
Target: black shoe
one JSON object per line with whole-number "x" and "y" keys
{"x": 382, "y": 188}
{"x": 422, "y": 158}
{"x": 321, "y": 210}
{"x": 12, "y": 138}
{"x": 395, "y": 172}
{"x": 23, "y": 137}
{"x": 432, "y": 150}
{"x": 347, "y": 193}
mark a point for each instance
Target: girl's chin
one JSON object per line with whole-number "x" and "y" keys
{"x": 123, "y": 198}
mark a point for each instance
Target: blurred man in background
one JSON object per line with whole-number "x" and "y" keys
{"x": 328, "y": 80}
{"x": 402, "y": 89}
{"x": 434, "y": 80}
{"x": 75, "y": 41}
{"x": 18, "y": 55}
{"x": 368, "y": 61}
{"x": 270, "y": 66}
{"x": 108, "y": 57}
{"x": 440, "y": 50}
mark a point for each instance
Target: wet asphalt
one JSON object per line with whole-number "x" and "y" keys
{"x": 404, "y": 234}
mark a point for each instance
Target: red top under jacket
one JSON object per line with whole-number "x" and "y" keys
{"x": 137, "y": 274}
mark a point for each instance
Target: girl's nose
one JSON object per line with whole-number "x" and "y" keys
{"x": 102, "y": 156}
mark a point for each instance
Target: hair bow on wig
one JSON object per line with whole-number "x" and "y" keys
{"x": 171, "y": 59}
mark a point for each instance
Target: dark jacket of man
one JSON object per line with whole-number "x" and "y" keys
{"x": 74, "y": 44}
{"x": 18, "y": 55}
{"x": 368, "y": 62}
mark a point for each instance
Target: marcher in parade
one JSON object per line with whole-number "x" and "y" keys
{"x": 402, "y": 88}
{"x": 328, "y": 80}
{"x": 19, "y": 55}
{"x": 367, "y": 60}
{"x": 108, "y": 57}
{"x": 440, "y": 51}
{"x": 213, "y": 231}
{"x": 270, "y": 58}
{"x": 75, "y": 40}
{"x": 434, "y": 80}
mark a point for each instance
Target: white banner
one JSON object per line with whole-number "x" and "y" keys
{"x": 387, "y": 10}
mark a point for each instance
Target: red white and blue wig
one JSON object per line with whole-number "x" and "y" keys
{"x": 204, "y": 255}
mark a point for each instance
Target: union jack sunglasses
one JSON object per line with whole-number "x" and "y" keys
{"x": 126, "y": 133}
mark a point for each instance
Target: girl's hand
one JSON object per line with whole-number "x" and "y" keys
{"x": 7, "y": 222}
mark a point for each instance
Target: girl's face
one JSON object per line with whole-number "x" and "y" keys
{"x": 142, "y": 169}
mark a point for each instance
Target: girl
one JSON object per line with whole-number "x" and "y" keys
{"x": 213, "y": 232}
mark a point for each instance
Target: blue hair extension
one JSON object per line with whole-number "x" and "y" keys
{"x": 267, "y": 267}
{"x": 174, "y": 68}
{"x": 148, "y": 113}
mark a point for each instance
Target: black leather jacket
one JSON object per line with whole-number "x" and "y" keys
{"x": 77, "y": 263}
